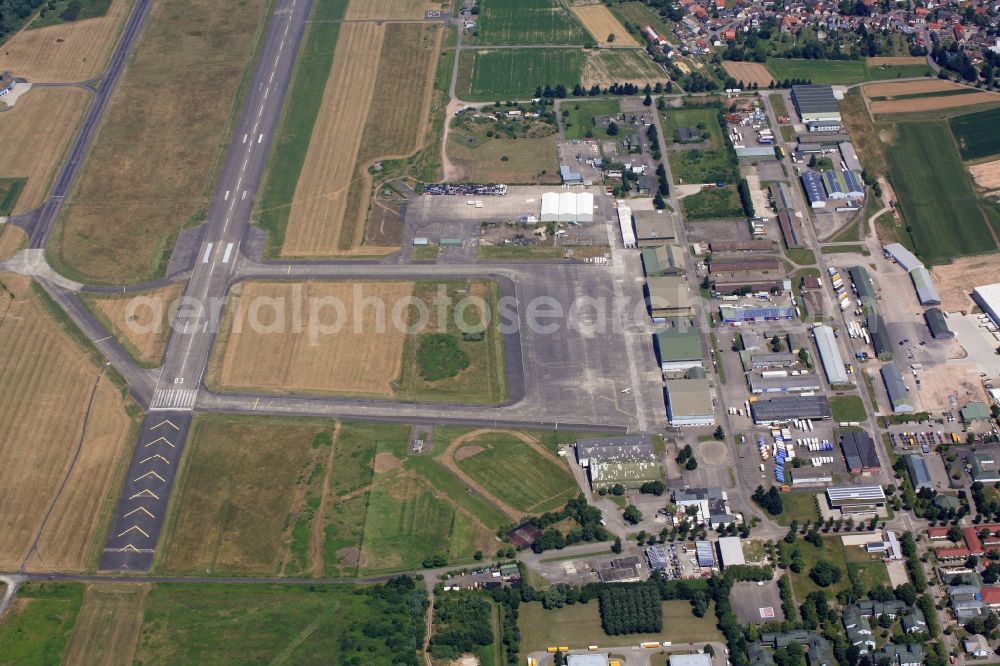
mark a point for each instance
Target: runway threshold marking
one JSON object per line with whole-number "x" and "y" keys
{"x": 134, "y": 528}
{"x": 208, "y": 253}
{"x": 260, "y": 139}
{"x": 245, "y": 138}
{"x": 150, "y": 473}
{"x": 145, "y": 493}
{"x": 226, "y": 198}
{"x": 157, "y": 441}
{"x": 108, "y": 337}
{"x": 142, "y": 509}
{"x": 227, "y": 253}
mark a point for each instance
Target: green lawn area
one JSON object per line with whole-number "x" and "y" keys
{"x": 579, "y": 625}
{"x": 67, "y": 11}
{"x": 712, "y": 204}
{"x": 580, "y": 121}
{"x": 833, "y": 552}
{"x": 753, "y": 551}
{"x": 840, "y": 71}
{"x": 640, "y": 14}
{"x": 778, "y": 104}
{"x": 848, "y": 408}
{"x": 37, "y": 632}
{"x": 800, "y": 506}
{"x": 244, "y": 624}
{"x": 10, "y": 190}
{"x": 702, "y": 166}
{"x": 976, "y": 133}
{"x": 935, "y": 192}
{"x": 517, "y": 474}
{"x": 529, "y": 22}
{"x": 526, "y": 160}
{"x": 868, "y": 567}
{"x": 844, "y": 249}
{"x": 674, "y": 119}
{"x": 298, "y": 116}
{"x": 801, "y": 256}
{"x": 526, "y": 252}
{"x": 426, "y": 253}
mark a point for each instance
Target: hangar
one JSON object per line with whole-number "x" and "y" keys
{"x": 574, "y": 208}
{"x": 829, "y": 355}
{"x": 988, "y": 298}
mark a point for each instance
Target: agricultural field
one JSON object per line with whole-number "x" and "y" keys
{"x": 38, "y": 131}
{"x": 326, "y": 215}
{"x": 601, "y": 24}
{"x": 39, "y": 623}
{"x": 138, "y": 321}
{"x": 242, "y": 486}
{"x": 702, "y": 119}
{"x": 515, "y": 469}
{"x": 57, "y": 12}
{"x": 976, "y": 135}
{"x": 580, "y": 121}
{"x": 66, "y": 52}
{"x": 529, "y": 22}
{"x": 152, "y": 164}
{"x": 749, "y": 73}
{"x": 489, "y": 75}
{"x": 712, "y": 204}
{"x": 935, "y": 101}
{"x": 896, "y": 89}
{"x": 393, "y": 9}
{"x": 579, "y": 625}
{"x": 240, "y": 624}
{"x": 485, "y": 155}
{"x": 107, "y": 626}
{"x": 986, "y": 175}
{"x": 331, "y": 352}
{"x": 843, "y": 72}
{"x": 932, "y": 186}
{"x": 640, "y": 14}
{"x": 62, "y": 416}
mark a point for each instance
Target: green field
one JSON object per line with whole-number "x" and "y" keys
{"x": 579, "y": 625}
{"x": 580, "y": 120}
{"x": 935, "y": 193}
{"x": 703, "y": 166}
{"x": 529, "y": 22}
{"x": 10, "y": 190}
{"x": 868, "y": 568}
{"x": 302, "y": 104}
{"x": 640, "y": 14}
{"x": 833, "y": 552}
{"x": 848, "y": 408}
{"x": 712, "y": 204}
{"x": 976, "y": 134}
{"x": 37, "y": 627}
{"x": 67, "y": 11}
{"x": 516, "y": 474}
{"x": 843, "y": 72}
{"x": 258, "y": 624}
{"x": 674, "y": 119}
{"x": 799, "y": 506}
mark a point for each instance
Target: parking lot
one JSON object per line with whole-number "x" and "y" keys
{"x": 757, "y": 603}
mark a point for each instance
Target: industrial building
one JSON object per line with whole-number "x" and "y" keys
{"x": 669, "y": 296}
{"x": 731, "y": 551}
{"x": 722, "y": 267}
{"x": 937, "y": 324}
{"x": 789, "y": 227}
{"x": 704, "y": 554}
{"x": 621, "y": 570}
{"x": 657, "y": 557}
{"x": 842, "y": 185}
{"x": 754, "y": 360}
{"x": 881, "y": 342}
{"x": 678, "y": 348}
{"x": 789, "y": 384}
{"x": 781, "y": 197}
{"x": 812, "y": 183}
{"x": 863, "y": 284}
{"x": 895, "y": 388}
{"x": 662, "y": 260}
{"x": 625, "y": 225}
{"x": 920, "y": 476}
{"x": 700, "y": 659}
{"x": 855, "y": 497}
{"x": 927, "y": 293}
{"x": 587, "y": 660}
{"x": 829, "y": 355}
{"x": 817, "y": 107}
{"x": 712, "y": 505}
{"x": 988, "y": 298}
{"x": 628, "y": 447}
{"x": 631, "y": 474}
{"x": 653, "y": 227}
{"x": 741, "y": 246}
{"x": 903, "y": 257}
{"x": 850, "y": 156}
{"x": 790, "y": 408}
{"x": 733, "y": 314}
{"x": 689, "y": 401}
{"x": 574, "y": 208}
{"x": 859, "y": 453}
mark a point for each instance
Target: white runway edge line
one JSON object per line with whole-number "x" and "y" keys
{"x": 208, "y": 253}
{"x": 228, "y": 253}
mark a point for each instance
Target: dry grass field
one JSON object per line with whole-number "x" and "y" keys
{"x": 139, "y": 321}
{"x": 956, "y": 280}
{"x": 524, "y": 163}
{"x": 67, "y": 52}
{"x": 749, "y": 72}
{"x": 61, "y": 419}
{"x": 600, "y": 23}
{"x": 391, "y": 9}
{"x": 986, "y": 175}
{"x": 330, "y": 206}
{"x": 107, "y": 627}
{"x": 920, "y": 104}
{"x": 878, "y": 61}
{"x": 12, "y": 240}
{"x": 908, "y": 88}
{"x": 37, "y": 132}
{"x": 359, "y": 359}
{"x": 149, "y": 170}
{"x": 632, "y": 65}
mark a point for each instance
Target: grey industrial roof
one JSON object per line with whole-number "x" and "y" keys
{"x": 785, "y": 408}
{"x": 895, "y": 388}
{"x": 859, "y": 451}
{"x": 689, "y": 397}
{"x": 782, "y": 197}
{"x": 903, "y": 257}
{"x": 815, "y": 99}
{"x": 690, "y": 660}
{"x": 653, "y": 225}
{"x": 850, "y": 155}
{"x": 731, "y": 551}
{"x": 920, "y": 476}
{"x": 829, "y": 355}
{"x": 790, "y": 383}
{"x": 789, "y": 230}
{"x": 881, "y": 341}
{"x": 926, "y": 291}
{"x": 863, "y": 283}
{"x": 938, "y": 324}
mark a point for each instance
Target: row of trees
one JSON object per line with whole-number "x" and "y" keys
{"x": 631, "y": 609}
{"x": 462, "y": 623}
{"x": 769, "y": 500}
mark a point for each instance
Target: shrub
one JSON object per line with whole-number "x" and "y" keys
{"x": 439, "y": 357}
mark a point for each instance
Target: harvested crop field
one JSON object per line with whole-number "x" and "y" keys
{"x": 625, "y": 66}
{"x": 259, "y": 348}
{"x": 909, "y": 88}
{"x": 601, "y": 23}
{"x": 934, "y": 103}
{"x": 67, "y": 52}
{"x": 108, "y": 624}
{"x": 749, "y": 73}
{"x": 151, "y": 167}
{"x": 329, "y": 208}
{"x": 878, "y": 61}
{"x": 391, "y": 9}
{"x": 956, "y": 280}
{"x": 62, "y": 419}
{"x": 139, "y": 321}
{"x": 987, "y": 175}
{"x": 37, "y": 132}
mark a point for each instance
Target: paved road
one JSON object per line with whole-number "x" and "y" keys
{"x": 49, "y": 213}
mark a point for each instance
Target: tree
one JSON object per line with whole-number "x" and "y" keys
{"x": 653, "y": 488}
{"x": 611, "y": 38}
{"x": 906, "y": 593}
{"x": 632, "y": 515}
{"x": 692, "y": 464}
{"x": 616, "y": 547}
{"x": 618, "y": 489}
{"x": 612, "y": 128}
{"x": 776, "y": 344}
{"x": 647, "y": 101}
{"x": 825, "y": 574}
{"x": 478, "y": 555}
{"x": 719, "y": 433}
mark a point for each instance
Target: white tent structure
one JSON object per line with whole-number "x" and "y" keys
{"x": 584, "y": 207}
{"x": 567, "y": 207}
{"x": 625, "y": 224}
{"x": 550, "y": 207}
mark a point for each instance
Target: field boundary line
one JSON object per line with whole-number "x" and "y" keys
{"x": 318, "y": 545}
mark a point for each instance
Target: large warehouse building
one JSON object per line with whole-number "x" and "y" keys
{"x": 818, "y": 107}
{"x": 829, "y": 355}
{"x": 625, "y": 225}
{"x": 571, "y": 207}
{"x": 988, "y": 298}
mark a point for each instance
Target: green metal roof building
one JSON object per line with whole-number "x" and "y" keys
{"x": 662, "y": 260}
{"x": 678, "y": 348}
{"x": 975, "y": 411}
